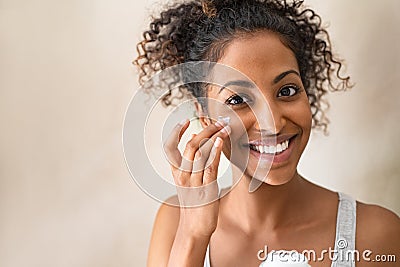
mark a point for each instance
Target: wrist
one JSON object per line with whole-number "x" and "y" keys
{"x": 188, "y": 249}
{"x": 191, "y": 233}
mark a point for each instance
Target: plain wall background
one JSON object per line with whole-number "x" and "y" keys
{"x": 66, "y": 197}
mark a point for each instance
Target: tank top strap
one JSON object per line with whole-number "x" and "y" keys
{"x": 207, "y": 257}
{"x": 345, "y": 232}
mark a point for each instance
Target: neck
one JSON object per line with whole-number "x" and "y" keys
{"x": 270, "y": 206}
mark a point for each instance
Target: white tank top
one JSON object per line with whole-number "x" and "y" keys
{"x": 345, "y": 233}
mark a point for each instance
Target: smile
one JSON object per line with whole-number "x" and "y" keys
{"x": 278, "y": 150}
{"x": 271, "y": 149}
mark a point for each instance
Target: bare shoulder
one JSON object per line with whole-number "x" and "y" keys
{"x": 164, "y": 231}
{"x": 378, "y": 230}
{"x": 167, "y": 217}
{"x": 376, "y": 220}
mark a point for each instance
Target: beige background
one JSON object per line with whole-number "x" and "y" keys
{"x": 66, "y": 198}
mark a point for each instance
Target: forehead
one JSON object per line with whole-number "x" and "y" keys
{"x": 261, "y": 56}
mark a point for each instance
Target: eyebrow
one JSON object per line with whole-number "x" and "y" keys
{"x": 248, "y": 84}
{"x": 283, "y": 75}
{"x": 240, "y": 83}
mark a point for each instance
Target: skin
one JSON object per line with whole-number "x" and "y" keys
{"x": 286, "y": 211}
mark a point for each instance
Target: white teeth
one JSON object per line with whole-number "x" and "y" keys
{"x": 279, "y": 148}
{"x": 271, "y": 149}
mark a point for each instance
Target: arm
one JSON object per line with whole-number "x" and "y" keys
{"x": 171, "y": 242}
{"x": 163, "y": 235}
{"x": 181, "y": 235}
{"x": 188, "y": 250}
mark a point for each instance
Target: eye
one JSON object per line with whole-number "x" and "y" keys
{"x": 288, "y": 90}
{"x": 237, "y": 100}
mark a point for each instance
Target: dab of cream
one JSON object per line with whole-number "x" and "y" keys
{"x": 224, "y": 120}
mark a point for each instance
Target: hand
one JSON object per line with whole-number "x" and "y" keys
{"x": 195, "y": 174}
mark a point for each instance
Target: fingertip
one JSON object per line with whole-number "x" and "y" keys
{"x": 183, "y": 122}
{"x": 218, "y": 142}
{"x": 226, "y": 130}
{"x": 182, "y": 127}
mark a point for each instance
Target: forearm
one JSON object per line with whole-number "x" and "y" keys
{"x": 188, "y": 250}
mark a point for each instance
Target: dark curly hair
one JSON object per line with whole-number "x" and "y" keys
{"x": 199, "y": 31}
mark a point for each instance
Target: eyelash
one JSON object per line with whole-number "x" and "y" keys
{"x": 242, "y": 98}
{"x": 289, "y": 86}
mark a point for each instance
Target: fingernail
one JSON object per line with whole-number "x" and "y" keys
{"x": 224, "y": 120}
{"x": 227, "y": 129}
{"x": 218, "y": 142}
{"x": 219, "y": 124}
{"x": 183, "y": 122}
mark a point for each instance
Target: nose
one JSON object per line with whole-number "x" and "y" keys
{"x": 270, "y": 120}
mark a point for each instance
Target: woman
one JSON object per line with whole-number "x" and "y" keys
{"x": 282, "y": 48}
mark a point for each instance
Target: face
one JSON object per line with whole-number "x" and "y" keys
{"x": 270, "y": 112}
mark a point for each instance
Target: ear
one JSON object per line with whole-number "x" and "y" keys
{"x": 204, "y": 119}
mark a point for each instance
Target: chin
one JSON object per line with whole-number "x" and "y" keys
{"x": 272, "y": 176}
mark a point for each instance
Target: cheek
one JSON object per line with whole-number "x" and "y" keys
{"x": 240, "y": 123}
{"x": 306, "y": 116}
{"x": 300, "y": 113}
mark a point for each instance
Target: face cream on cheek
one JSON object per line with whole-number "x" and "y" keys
{"x": 224, "y": 120}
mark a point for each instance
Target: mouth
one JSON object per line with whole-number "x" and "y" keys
{"x": 270, "y": 149}
{"x": 278, "y": 150}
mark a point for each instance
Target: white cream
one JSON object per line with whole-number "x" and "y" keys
{"x": 224, "y": 120}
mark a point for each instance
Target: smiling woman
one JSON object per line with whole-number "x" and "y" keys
{"x": 274, "y": 70}
{"x": 286, "y": 56}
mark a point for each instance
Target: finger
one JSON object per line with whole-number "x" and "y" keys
{"x": 183, "y": 173}
{"x": 194, "y": 144}
{"x": 204, "y": 157}
{"x": 192, "y": 136}
{"x": 171, "y": 144}
{"x": 196, "y": 177}
{"x": 185, "y": 124}
{"x": 199, "y": 164}
{"x": 211, "y": 170}
{"x": 182, "y": 177}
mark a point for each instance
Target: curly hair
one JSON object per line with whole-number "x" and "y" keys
{"x": 200, "y": 30}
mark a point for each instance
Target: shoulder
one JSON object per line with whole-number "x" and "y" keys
{"x": 376, "y": 219}
{"x": 167, "y": 219}
{"x": 378, "y": 229}
{"x": 164, "y": 231}
{"x": 169, "y": 209}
